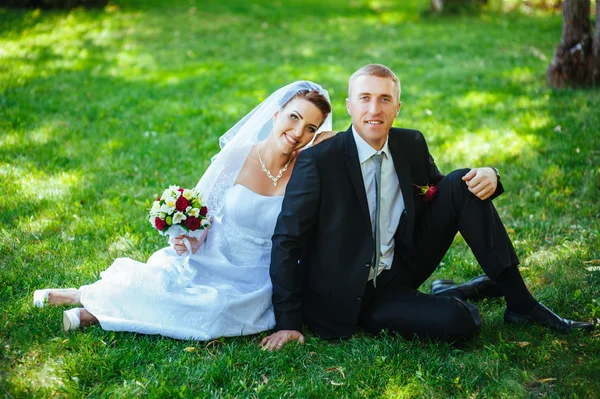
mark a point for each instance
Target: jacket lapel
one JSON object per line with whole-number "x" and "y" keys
{"x": 404, "y": 177}
{"x": 355, "y": 173}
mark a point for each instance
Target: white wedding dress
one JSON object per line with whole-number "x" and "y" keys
{"x": 230, "y": 294}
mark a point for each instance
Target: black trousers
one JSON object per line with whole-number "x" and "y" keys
{"x": 397, "y": 305}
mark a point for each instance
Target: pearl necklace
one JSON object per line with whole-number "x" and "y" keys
{"x": 268, "y": 172}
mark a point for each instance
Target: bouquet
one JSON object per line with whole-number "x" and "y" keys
{"x": 177, "y": 212}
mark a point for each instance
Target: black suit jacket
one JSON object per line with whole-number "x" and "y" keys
{"x": 323, "y": 245}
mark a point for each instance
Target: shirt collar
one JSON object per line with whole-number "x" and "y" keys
{"x": 365, "y": 151}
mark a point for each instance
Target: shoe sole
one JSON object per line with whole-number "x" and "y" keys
{"x": 66, "y": 323}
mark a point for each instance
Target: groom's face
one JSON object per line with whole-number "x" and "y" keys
{"x": 373, "y": 104}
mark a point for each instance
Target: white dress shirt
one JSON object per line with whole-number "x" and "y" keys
{"x": 392, "y": 201}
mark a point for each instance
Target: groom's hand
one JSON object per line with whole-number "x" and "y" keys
{"x": 482, "y": 182}
{"x": 280, "y": 338}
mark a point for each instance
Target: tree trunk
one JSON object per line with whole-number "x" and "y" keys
{"x": 574, "y": 61}
{"x": 596, "y": 48}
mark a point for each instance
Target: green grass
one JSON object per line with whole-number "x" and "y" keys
{"x": 101, "y": 109}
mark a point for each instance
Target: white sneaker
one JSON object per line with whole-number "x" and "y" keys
{"x": 71, "y": 319}
{"x": 40, "y": 297}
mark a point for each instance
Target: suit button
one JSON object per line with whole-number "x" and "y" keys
{"x": 359, "y": 298}
{"x": 367, "y": 264}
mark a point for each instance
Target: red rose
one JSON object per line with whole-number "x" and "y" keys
{"x": 430, "y": 193}
{"x": 192, "y": 223}
{"x": 160, "y": 224}
{"x": 203, "y": 211}
{"x": 182, "y": 204}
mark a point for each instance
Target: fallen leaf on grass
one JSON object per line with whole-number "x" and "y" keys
{"x": 544, "y": 380}
{"x": 522, "y": 344}
{"x": 338, "y": 369}
{"x": 265, "y": 379}
{"x": 592, "y": 262}
{"x": 190, "y": 349}
{"x": 593, "y": 269}
{"x": 213, "y": 342}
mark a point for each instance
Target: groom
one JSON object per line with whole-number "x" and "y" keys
{"x": 356, "y": 236}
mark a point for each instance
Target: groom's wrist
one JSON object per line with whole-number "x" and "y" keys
{"x": 497, "y": 173}
{"x": 288, "y": 322}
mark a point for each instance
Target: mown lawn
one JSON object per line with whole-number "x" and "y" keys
{"x": 101, "y": 109}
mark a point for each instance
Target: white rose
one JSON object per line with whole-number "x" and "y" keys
{"x": 188, "y": 194}
{"x": 170, "y": 202}
{"x": 178, "y": 217}
{"x": 193, "y": 212}
{"x": 166, "y": 209}
{"x": 155, "y": 207}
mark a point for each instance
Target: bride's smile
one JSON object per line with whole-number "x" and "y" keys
{"x": 296, "y": 125}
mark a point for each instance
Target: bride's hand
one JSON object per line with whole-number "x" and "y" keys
{"x": 320, "y": 138}
{"x": 195, "y": 243}
{"x": 323, "y": 136}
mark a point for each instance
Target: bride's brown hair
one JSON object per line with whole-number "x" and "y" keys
{"x": 316, "y": 98}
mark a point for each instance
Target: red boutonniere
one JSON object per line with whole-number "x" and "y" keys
{"x": 428, "y": 192}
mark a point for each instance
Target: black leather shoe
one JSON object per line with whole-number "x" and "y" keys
{"x": 545, "y": 317}
{"x": 475, "y": 289}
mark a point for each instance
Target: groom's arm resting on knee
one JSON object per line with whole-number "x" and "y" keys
{"x": 299, "y": 213}
{"x": 483, "y": 183}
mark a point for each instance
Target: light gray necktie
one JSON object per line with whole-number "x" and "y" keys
{"x": 377, "y": 159}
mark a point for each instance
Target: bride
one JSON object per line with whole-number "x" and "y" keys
{"x": 231, "y": 292}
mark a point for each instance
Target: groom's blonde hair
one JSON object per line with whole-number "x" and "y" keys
{"x": 378, "y": 70}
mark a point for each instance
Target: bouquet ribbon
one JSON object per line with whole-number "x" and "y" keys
{"x": 182, "y": 265}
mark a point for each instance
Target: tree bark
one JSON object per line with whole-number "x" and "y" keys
{"x": 573, "y": 61}
{"x": 596, "y": 48}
